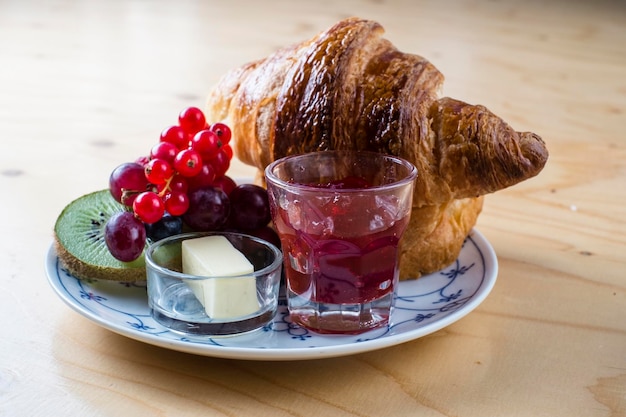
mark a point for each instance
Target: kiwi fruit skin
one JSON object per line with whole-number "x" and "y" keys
{"x": 79, "y": 241}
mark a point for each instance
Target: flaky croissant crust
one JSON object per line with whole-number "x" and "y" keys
{"x": 349, "y": 88}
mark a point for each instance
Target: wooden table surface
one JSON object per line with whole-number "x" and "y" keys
{"x": 87, "y": 85}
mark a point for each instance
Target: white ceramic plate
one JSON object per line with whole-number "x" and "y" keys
{"x": 423, "y": 306}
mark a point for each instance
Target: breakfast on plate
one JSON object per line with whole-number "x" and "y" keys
{"x": 347, "y": 88}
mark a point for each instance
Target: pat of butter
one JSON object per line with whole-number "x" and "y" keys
{"x": 223, "y": 297}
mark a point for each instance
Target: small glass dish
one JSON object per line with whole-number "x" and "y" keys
{"x": 174, "y": 297}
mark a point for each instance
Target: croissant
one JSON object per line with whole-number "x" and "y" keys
{"x": 349, "y": 88}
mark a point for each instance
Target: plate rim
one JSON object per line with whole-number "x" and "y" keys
{"x": 292, "y": 353}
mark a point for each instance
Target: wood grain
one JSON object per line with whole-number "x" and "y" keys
{"x": 85, "y": 86}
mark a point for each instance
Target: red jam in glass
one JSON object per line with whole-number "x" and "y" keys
{"x": 340, "y": 254}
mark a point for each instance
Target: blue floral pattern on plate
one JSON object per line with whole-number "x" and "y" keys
{"x": 422, "y": 307}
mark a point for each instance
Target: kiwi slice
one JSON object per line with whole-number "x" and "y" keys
{"x": 79, "y": 240}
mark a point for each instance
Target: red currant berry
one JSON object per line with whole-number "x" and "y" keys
{"x": 221, "y": 163}
{"x": 158, "y": 171}
{"x": 188, "y": 163}
{"x": 206, "y": 143}
{"x": 176, "y": 183}
{"x": 179, "y": 183}
{"x": 165, "y": 151}
{"x": 149, "y": 207}
{"x": 192, "y": 120}
{"x": 228, "y": 151}
{"x": 176, "y": 136}
{"x": 222, "y": 131}
{"x": 176, "y": 203}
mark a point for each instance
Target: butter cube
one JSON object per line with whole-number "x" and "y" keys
{"x": 223, "y": 297}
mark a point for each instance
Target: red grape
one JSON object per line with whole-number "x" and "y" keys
{"x": 250, "y": 207}
{"x": 225, "y": 183}
{"x": 208, "y": 209}
{"x": 125, "y": 236}
{"x": 126, "y": 181}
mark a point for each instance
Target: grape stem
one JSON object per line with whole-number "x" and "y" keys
{"x": 166, "y": 188}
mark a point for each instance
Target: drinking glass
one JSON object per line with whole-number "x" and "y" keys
{"x": 340, "y": 216}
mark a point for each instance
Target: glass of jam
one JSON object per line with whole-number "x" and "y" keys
{"x": 340, "y": 216}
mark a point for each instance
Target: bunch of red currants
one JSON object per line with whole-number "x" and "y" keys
{"x": 183, "y": 181}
